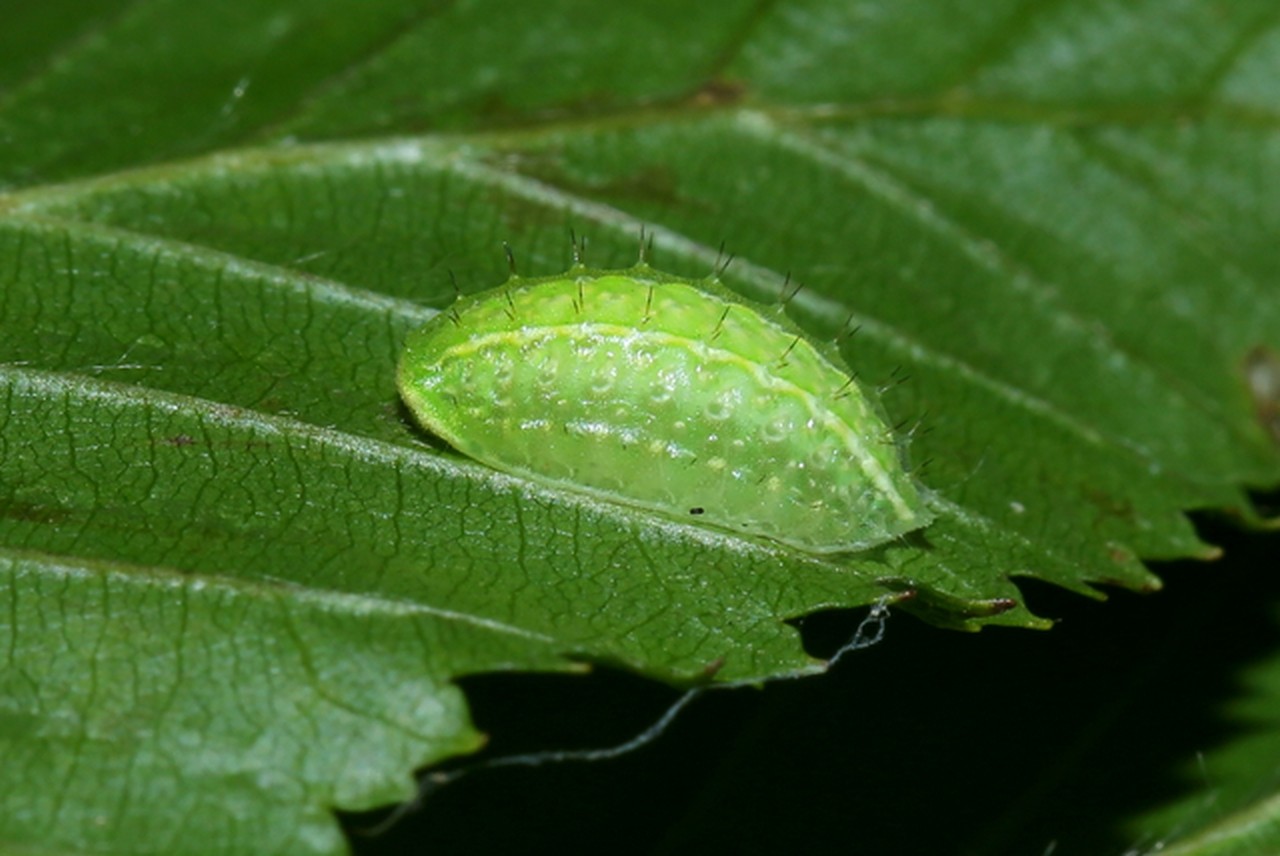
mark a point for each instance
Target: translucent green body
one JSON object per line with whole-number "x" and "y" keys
{"x": 666, "y": 394}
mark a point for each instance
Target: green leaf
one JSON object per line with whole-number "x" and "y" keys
{"x": 234, "y": 570}
{"x": 1229, "y": 803}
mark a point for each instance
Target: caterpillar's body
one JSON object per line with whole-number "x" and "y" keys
{"x": 667, "y": 394}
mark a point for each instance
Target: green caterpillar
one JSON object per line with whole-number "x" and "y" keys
{"x": 672, "y": 395}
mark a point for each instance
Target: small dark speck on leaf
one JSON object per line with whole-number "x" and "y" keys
{"x": 719, "y": 92}
{"x": 1110, "y": 505}
{"x": 1262, "y": 375}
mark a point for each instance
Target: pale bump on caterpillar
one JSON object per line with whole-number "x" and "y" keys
{"x": 672, "y": 395}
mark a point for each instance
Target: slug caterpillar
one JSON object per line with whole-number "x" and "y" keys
{"x": 668, "y": 394}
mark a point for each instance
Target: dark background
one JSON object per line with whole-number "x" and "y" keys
{"x": 933, "y": 742}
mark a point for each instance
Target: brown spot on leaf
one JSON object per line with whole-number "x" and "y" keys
{"x": 1110, "y": 505}
{"x": 1119, "y": 555}
{"x": 719, "y": 93}
{"x": 999, "y": 605}
{"x": 33, "y": 513}
{"x": 710, "y": 670}
{"x": 1262, "y": 377}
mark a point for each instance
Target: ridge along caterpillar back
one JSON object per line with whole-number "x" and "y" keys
{"x": 672, "y": 395}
